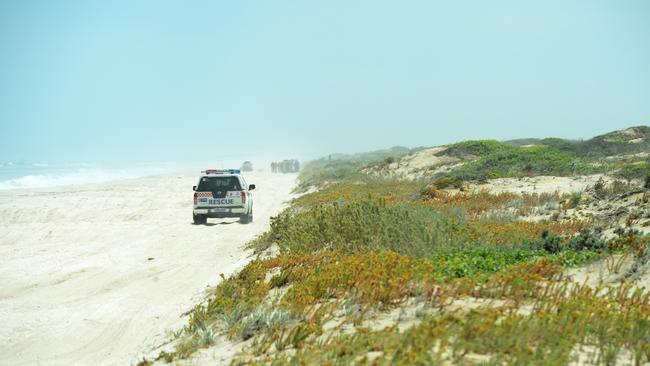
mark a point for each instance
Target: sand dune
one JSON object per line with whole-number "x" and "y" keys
{"x": 95, "y": 275}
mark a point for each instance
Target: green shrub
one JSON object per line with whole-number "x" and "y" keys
{"x": 477, "y": 147}
{"x": 551, "y": 243}
{"x": 417, "y": 229}
{"x": 587, "y": 240}
{"x": 634, "y": 171}
{"x": 600, "y": 188}
{"x": 610, "y": 144}
{"x": 367, "y": 225}
{"x": 481, "y": 260}
{"x": 519, "y": 162}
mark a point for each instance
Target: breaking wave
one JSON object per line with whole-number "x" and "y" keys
{"x": 83, "y": 176}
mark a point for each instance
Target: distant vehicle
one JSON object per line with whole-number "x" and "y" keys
{"x": 221, "y": 194}
{"x": 285, "y": 166}
{"x": 247, "y": 166}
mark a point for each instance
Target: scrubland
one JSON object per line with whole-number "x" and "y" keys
{"x": 366, "y": 267}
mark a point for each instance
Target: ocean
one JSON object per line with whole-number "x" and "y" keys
{"x": 14, "y": 175}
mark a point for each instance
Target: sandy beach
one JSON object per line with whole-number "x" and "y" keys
{"x": 98, "y": 274}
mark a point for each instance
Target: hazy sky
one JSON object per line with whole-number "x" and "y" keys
{"x": 160, "y": 80}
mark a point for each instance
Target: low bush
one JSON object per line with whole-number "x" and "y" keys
{"x": 262, "y": 319}
{"x": 587, "y": 240}
{"x": 524, "y": 161}
{"x": 390, "y": 190}
{"x": 477, "y": 148}
{"x": 611, "y": 144}
{"x": 410, "y": 229}
{"x": 634, "y": 171}
{"x": 551, "y": 243}
{"x": 367, "y": 225}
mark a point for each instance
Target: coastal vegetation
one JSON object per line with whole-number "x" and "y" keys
{"x": 369, "y": 270}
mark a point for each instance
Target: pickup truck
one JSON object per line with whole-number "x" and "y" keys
{"x": 222, "y": 194}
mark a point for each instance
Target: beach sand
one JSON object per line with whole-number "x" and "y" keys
{"x": 98, "y": 274}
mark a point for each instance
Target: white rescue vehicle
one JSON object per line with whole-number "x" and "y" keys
{"x": 220, "y": 194}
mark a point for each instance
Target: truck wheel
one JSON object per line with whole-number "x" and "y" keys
{"x": 199, "y": 219}
{"x": 246, "y": 219}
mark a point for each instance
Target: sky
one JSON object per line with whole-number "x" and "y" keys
{"x": 152, "y": 80}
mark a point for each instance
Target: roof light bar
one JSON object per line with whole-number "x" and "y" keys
{"x": 221, "y": 171}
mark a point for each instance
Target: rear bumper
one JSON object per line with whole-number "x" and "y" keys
{"x": 220, "y": 212}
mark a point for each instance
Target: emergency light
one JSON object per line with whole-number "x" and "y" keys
{"x": 221, "y": 171}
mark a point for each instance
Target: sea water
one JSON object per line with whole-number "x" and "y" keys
{"x": 15, "y": 175}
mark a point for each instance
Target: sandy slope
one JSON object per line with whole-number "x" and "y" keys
{"x": 95, "y": 275}
{"x": 540, "y": 184}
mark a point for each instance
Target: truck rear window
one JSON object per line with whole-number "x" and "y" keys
{"x": 210, "y": 184}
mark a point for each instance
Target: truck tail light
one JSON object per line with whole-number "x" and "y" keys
{"x": 195, "y": 195}
{"x": 243, "y": 197}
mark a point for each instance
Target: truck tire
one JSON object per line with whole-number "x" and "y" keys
{"x": 247, "y": 219}
{"x": 199, "y": 219}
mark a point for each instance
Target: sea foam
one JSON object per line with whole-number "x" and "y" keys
{"x": 77, "y": 177}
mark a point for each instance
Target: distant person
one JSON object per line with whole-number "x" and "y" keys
{"x": 274, "y": 167}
